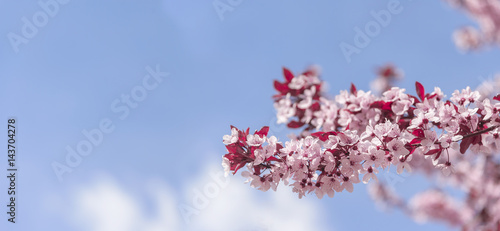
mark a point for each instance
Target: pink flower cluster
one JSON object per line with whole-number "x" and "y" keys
{"x": 475, "y": 175}
{"x": 358, "y": 133}
{"x": 487, "y": 15}
{"x": 386, "y": 76}
{"x": 436, "y": 205}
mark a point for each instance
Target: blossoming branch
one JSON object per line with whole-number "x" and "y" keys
{"x": 348, "y": 139}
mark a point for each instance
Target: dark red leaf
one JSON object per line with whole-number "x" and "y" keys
{"x": 416, "y": 141}
{"x": 230, "y": 157}
{"x": 420, "y": 90}
{"x": 272, "y": 158}
{"x": 418, "y": 133}
{"x": 257, "y": 169}
{"x": 403, "y": 123}
{"x": 288, "y": 74}
{"x": 438, "y": 155}
{"x": 476, "y": 140}
{"x": 252, "y": 151}
{"x": 353, "y": 89}
{"x": 317, "y": 134}
{"x": 433, "y": 151}
{"x": 295, "y": 124}
{"x": 315, "y": 106}
{"x": 387, "y": 106}
{"x": 382, "y": 105}
{"x": 377, "y": 104}
{"x": 281, "y": 87}
{"x": 497, "y": 97}
{"x": 299, "y": 112}
{"x": 278, "y": 147}
{"x": 464, "y": 145}
{"x": 263, "y": 131}
{"x": 323, "y": 136}
{"x": 387, "y": 139}
{"x": 318, "y": 91}
{"x": 414, "y": 98}
{"x": 234, "y": 148}
{"x": 411, "y": 113}
{"x": 242, "y": 137}
{"x": 387, "y": 71}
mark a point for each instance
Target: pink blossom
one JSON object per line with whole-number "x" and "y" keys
{"x": 437, "y": 205}
{"x": 397, "y": 148}
{"x": 347, "y": 182}
{"x": 284, "y": 109}
{"x": 487, "y": 14}
{"x": 374, "y": 157}
{"x": 423, "y": 119}
{"x": 255, "y": 140}
{"x": 297, "y": 82}
{"x": 446, "y": 168}
{"x": 467, "y": 38}
{"x": 403, "y": 164}
{"x": 308, "y": 95}
{"x": 386, "y": 129}
{"x": 369, "y": 174}
{"x": 230, "y": 139}
{"x": 493, "y": 138}
{"x": 348, "y": 138}
{"x": 465, "y": 97}
{"x": 226, "y": 166}
{"x": 448, "y": 141}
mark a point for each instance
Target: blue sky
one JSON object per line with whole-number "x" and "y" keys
{"x": 220, "y": 73}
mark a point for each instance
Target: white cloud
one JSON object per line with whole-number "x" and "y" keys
{"x": 237, "y": 206}
{"x": 209, "y": 204}
{"x": 106, "y": 206}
